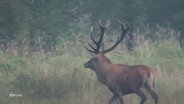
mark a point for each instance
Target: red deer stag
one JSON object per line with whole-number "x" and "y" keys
{"x": 120, "y": 79}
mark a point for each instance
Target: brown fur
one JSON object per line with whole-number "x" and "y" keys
{"x": 123, "y": 79}
{"x": 119, "y": 78}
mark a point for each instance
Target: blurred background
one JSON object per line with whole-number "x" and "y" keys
{"x": 42, "y": 48}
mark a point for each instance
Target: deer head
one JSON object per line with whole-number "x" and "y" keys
{"x": 98, "y": 56}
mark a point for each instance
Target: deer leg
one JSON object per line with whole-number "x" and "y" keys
{"x": 142, "y": 96}
{"x": 121, "y": 100}
{"x": 120, "y": 97}
{"x": 117, "y": 94}
{"x": 152, "y": 93}
{"x": 114, "y": 97}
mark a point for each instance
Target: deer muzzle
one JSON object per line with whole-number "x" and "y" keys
{"x": 86, "y": 65}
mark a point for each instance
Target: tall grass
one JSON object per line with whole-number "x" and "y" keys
{"x": 62, "y": 79}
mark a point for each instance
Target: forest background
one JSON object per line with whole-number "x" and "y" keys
{"x": 42, "y": 48}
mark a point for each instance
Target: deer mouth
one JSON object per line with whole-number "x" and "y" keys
{"x": 86, "y": 65}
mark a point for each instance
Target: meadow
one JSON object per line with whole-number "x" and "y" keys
{"x": 61, "y": 79}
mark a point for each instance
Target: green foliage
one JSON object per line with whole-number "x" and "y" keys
{"x": 9, "y": 64}
{"x": 40, "y": 86}
{"x": 170, "y": 55}
{"x": 63, "y": 25}
{"x": 168, "y": 52}
{"x": 48, "y": 21}
{"x": 56, "y": 79}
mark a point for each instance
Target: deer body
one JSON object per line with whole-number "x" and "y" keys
{"x": 119, "y": 78}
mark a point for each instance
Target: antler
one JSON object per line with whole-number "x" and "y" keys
{"x": 96, "y": 50}
{"x": 125, "y": 28}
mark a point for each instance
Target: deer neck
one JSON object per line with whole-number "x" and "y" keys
{"x": 102, "y": 71}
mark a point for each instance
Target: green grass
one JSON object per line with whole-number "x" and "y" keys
{"x": 62, "y": 79}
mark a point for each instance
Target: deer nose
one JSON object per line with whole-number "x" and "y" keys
{"x": 86, "y": 65}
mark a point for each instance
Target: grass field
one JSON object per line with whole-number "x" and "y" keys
{"x": 62, "y": 79}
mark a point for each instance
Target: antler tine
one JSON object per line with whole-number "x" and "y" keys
{"x": 108, "y": 23}
{"x": 97, "y": 43}
{"x": 91, "y": 46}
{"x": 91, "y": 29}
{"x": 100, "y": 24}
{"x": 90, "y": 50}
{"x": 125, "y": 26}
{"x": 102, "y": 33}
{"x": 93, "y": 49}
{"x": 92, "y": 36}
{"x": 119, "y": 39}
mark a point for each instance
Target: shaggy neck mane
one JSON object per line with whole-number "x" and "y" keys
{"x": 104, "y": 59}
{"x": 102, "y": 70}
